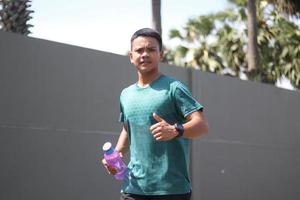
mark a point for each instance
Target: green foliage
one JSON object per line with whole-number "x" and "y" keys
{"x": 14, "y": 15}
{"x": 290, "y": 7}
{"x": 218, "y": 43}
{"x": 242, "y": 3}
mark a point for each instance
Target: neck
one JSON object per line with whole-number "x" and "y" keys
{"x": 145, "y": 79}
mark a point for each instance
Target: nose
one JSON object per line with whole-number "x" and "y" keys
{"x": 145, "y": 53}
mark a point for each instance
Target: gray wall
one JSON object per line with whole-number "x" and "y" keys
{"x": 60, "y": 103}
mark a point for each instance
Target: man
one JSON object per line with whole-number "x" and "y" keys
{"x": 159, "y": 116}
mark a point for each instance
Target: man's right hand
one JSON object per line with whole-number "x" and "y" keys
{"x": 109, "y": 169}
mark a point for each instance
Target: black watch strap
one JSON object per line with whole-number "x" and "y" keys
{"x": 179, "y": 129}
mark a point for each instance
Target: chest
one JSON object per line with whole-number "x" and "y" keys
{"x": 143, "y": 104}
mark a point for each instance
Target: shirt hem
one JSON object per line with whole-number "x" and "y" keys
{"x": 157, "y": 193}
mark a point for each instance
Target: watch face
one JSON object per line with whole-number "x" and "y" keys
{"x": 180, "y": 129}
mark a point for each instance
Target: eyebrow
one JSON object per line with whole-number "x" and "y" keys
{"x": 149, "y": 47}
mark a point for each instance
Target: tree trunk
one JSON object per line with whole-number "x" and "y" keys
{"x": 253, "y": 56}
{"x": 156, "y": 18}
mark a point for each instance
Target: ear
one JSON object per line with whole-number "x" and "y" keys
{"x": 130, "y": 56}
{"x": 161, "y": 54}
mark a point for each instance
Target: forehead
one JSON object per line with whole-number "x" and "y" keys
{"x": 144, "y": 41}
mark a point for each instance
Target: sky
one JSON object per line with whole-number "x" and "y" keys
{"x": 108, "y": 25}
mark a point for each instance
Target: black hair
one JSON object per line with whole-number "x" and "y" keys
{"x": 147, "y": 32}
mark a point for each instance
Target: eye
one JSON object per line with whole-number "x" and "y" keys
{"x": 152, "y": 49}
{"x": 139, "y": 51}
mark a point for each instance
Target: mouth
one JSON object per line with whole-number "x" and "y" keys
{"x": 145, "y": 62}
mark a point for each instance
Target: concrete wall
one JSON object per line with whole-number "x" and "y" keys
{"x": 253, "y": 148}
{"x": 60, "y": 103}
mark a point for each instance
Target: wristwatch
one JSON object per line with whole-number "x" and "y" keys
{"x": 179, "y": 129}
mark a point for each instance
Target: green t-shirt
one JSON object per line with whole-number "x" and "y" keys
{"x": 157, "y": 167}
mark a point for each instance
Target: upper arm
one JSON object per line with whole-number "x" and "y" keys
{"x": 197, "y": 115}
{"x": 185, "y": 103}
{"x": 196, "y": 124}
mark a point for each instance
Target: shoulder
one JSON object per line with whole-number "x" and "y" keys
{"x": 128, "y": 89}
{"x": 173, "y": 82}
{"x": 176, "y": 84}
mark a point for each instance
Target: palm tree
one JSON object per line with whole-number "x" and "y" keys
{"x": 214, "y": 43}
{"x": 252, "y": 53}
{"x": 156, "y": 16}
{"x": 14, "y": 15}
{"x": 290, "y": 7}
{"x": 252, "y": 48}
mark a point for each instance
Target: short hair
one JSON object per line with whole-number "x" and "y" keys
{"x": 147, "y": 32}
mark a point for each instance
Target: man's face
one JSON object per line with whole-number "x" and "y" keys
{"x": 145, "y": 54}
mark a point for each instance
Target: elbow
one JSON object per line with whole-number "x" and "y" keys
{"x": 202, "y": 125}
{"x": 204, "y": 129}
{"x": 200, "y": 131}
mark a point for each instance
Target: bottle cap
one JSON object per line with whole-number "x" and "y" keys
{"x": 107, "y": 148}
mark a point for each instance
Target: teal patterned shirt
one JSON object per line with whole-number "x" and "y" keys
{"x": 157, "y": 167}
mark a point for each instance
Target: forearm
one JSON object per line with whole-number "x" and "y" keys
{"x": 196, "y": 125}
{"x": 123, "y": 144}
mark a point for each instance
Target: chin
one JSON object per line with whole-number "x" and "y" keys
{"x": 144, "y": 71}
{"x": 144, "y": 68}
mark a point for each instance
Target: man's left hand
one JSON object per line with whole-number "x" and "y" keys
{"x": 163, "y": 131}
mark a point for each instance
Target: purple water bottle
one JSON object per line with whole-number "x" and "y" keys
{"x": 113, "y": 159}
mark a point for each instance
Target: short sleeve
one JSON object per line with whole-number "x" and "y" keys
{"x": 121, "y": 116}
{"x": 185, "y": 102}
